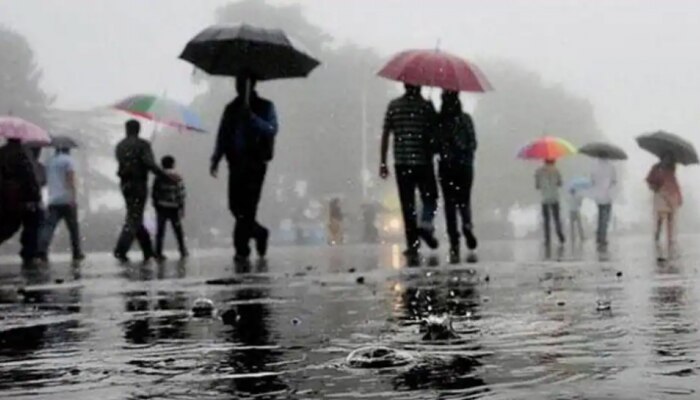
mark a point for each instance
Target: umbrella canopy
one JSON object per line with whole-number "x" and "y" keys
{"x": 165, "y": 111}
{"x": 58, "y": 141}
{"x": 547, "y": 148}
{"x": 241, "y": 50}
{"x": 663, "y": 143}
{"x": 603, "y": 150}
{"x": 17, "y": 128}
{"x": 435, "y": 68}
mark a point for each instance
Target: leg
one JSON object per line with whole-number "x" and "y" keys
{"x": 257, "y": 231}
{"x": 545, "y": 222}
{"x": 465, "y": 206}
{"x": 47, "y": 230}
{"x": 448, "y": 195}
{"x": 572, "y": 225}
{"x": 607, "y": 213}
{"x": 29, "y": 239}
{"x": 71, "y": 218}
{"x": 557, "y": 222}
{"x": 407, "y": 195}
{"x": 670, "y": 229}
{"x": 238, "y": 200}
{"x": 427, "y": 187}
{"x": 579, "y": 221}
{"x": 161, "y": 219}
{"x": 176, "y": 222}
{"x": 659, "y": 226}
{"x": 601, "y": 221}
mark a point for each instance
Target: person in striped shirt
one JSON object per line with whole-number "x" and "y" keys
{"x": 411, "y": 120}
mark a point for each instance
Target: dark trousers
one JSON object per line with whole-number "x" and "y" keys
{"x": 30, "y": 220}
{"x": 56, "y": 214}
{"x": 163, "y": 215}
{"x": 549, "y": 212}
{"x": 135, "y": 195}
{"x": 456, "y": 183}
{"x": 604, "y": 213}
{"x": 409, "y": 179}
{"x": 244, "y": 191}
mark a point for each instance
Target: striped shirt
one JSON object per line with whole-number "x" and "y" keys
{"x": 410, "y": 119}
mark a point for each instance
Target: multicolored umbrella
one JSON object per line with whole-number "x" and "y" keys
{"x": 165, "y": 111}
{"x": 547, "y": 148}
{"x": 17, "y": 128}
{"x": 437, "y": 69}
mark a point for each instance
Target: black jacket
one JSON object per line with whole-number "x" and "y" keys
{"x": 19, "y": 182}
{"x": 135, "y": 158}
{"x": 169, "y": 193}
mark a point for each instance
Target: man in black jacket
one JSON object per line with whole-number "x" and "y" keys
{"x": 246, "y": 138}
{"x": 135, "y": 158}
{"x": 20, "y": 197}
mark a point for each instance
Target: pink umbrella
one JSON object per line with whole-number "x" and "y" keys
{"x": 436, "y": 68}
{"x": 17, "y": 128}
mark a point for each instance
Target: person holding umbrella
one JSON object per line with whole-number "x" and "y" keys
{"x": 249, "y": 123}
{"x": 61, "y": 182}
{"x": 20, "y": 184}
{"x": 662, "y": 181}
{"x": 410, "y": 119}
{"x": 456, "y": 144}
{"x": 246, "y": 138}
{"x": 548, "y": 179}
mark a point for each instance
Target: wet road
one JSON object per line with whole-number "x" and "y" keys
{"x": 576, "y": 325}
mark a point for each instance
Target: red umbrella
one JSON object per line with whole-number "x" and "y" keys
{"x": 435, "y": 68}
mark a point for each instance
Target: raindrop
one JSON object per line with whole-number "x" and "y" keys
{"x": 603, "y": 305}
{"x": 203, "y": 308}
{"x": 59, "y": 281}
{"x": 619, "y": 274}
{"x": 296, "y": 321}
{"x": 561, "y": 303}
{"x": 360, "y": 280}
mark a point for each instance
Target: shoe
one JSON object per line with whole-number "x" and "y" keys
{"x": 261, "y": 243}
{"x": 121, "y": 257}
{"x": 160, "y": 257}
{"x": 472, "y": 243}
{"x": 240, "y": 259}
{"x": 472, "y": 257}
{"x": 428, "y": 238}
{"x": 412, "y": 257}
{"x": 79, "y": 257}
{"x": 453, "y": 258}
{"x": 184, "y": 254}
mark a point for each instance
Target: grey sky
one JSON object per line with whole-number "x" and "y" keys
{"x": 636, "y": 61}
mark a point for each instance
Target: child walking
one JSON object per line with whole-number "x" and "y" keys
{"x": 169, "y": 202}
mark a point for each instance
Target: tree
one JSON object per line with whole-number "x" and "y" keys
{"x": 320, "y": 119}
{"x": 521, "y": 108}
{"x": 20, "y": 80}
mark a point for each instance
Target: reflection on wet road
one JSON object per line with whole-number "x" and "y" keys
{"x": 521, "y": 324}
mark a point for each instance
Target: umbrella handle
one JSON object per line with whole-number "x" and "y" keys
{"x": 246, "y": 95}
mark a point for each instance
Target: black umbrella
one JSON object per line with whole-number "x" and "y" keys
{"x": 605, "y": 151}
{"x": 59, "y": 142}
{"x": 663, "y": 143}
{"x": 244, "y": 50}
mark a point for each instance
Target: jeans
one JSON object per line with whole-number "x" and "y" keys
{"x": 409, "y": 179}
{"x": 604, "y": 214}
{"x": 69, "y": 214}
{"x": 163, "y": 215}
{"x": 576, "y": 226}
{"x": 456, "y": 183}
{"x": 135, "y": 194}
{"x": 244, "y": 192}
{"x": 551, "y": 211}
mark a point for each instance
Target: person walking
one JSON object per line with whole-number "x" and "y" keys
{"x": 668, "y": 198}
{"x": 135, "y": 158}
{"x": 575, "y": 221}
{"x": 411, "y": 119}
{"x": 335, "y": 222}
{"x": 246, "y": 138}
{"x": 169, "y": 202}
{"x": 20, "y": 198}
{"x": 61, "y": 182}
{"x": 456, "y": 144}
{"x": 548, "y": 181}
{"x": 604, "y": 183}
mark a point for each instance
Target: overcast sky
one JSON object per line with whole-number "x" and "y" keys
{"x": 638, "y": 62}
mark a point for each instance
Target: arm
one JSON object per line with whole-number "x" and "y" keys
{"x": 538, "y": 185}
{"x": 267, "y": 123}
{"x": 149, "y": 161}
{"x": 384, "y": 147}
{"x": 559, "y": 180}
{"x": 471, "y": 133}
{"x": 220, "y": 144}
{"x": 71, "y": 182}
